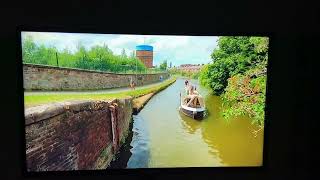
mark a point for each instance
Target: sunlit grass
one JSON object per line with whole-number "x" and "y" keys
{"x": 33, "y": 100}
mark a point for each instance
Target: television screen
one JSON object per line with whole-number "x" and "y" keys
{"x": 115, "y": 101}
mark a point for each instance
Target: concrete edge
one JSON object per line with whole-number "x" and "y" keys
{"x": 46, "y": 111}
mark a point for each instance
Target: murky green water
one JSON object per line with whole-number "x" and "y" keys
{"x": 163, "y": 137}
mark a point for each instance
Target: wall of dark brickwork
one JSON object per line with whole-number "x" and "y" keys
{"x": 75, "y": 135}
{"x": 40, "y": 77}
{"x": 146, "y": 58}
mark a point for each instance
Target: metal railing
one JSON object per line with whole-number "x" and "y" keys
{"x": 122, "y": 71}
{"x": 123, "y": 68}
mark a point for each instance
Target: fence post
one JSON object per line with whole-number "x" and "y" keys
{"x": 57, "y": 59}
{"x": 83, "y": 66}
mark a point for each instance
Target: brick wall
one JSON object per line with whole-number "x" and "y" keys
{"x": 146, "y": 58}
{"x": 75, "y": 135}
{"x": 39, "y": 77}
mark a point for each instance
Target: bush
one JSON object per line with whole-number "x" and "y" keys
{"x": 245, "y": 94}
{"x": 238, "y": 74}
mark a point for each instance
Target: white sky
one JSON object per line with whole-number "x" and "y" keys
{"x": 175, "y": 49}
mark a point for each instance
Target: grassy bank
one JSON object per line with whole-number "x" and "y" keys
{"x": 34, "y": 100}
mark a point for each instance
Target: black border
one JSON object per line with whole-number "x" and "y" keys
{"x": 221, "y": 172}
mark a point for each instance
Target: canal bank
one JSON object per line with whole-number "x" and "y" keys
{"x": 80, "y": 134}
{"x": 140, "y": 101}
{"x": 36, "y": 99}
{"x": 162, "y": 137}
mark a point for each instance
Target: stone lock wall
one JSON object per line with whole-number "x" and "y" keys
{"x": 40, "y": 77}
{"x": 75, "y": 135}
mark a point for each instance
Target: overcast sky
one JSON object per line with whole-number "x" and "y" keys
{"x": 175, "y": 49}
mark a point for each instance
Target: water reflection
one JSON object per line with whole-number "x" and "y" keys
{"x": 233, "y": 141}
{"x": 189, "y": 124}
{"x": 140, "y": 144}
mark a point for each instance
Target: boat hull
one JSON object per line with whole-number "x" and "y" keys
{"x": 198, "y": 115}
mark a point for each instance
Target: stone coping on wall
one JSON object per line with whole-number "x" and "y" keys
{"x": 85, "y": 70}
{"x": 46, "y": 111}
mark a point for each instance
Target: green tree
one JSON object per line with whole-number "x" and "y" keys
{"x": 105, "y": 46}
{"x": 163, "y": 65}
{"x": 132, "y": 55}
{"x": 123, "y": 53}
{"x": 95, "y": 58}
{"x": 28, "y": 50}
{"x": 238, "y": 74}
{"x": 234, "y": 55}
{"x": 245, "y": 94}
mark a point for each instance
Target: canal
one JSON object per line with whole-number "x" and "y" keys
{"x": 163, "y": 137}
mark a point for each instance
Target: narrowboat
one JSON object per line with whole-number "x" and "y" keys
{"x": 192, "y": 106}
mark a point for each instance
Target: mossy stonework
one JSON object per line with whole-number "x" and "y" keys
{"x": 104, "y": 158}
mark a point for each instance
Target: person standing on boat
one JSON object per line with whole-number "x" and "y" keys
{"x": 188, "y": 95}
{"x": 190, "y": 89}
{"x": 186, "y": 88}
{"x": 193, "y": 95}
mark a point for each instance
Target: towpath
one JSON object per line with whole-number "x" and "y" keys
{"x": 104, "y": 91}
